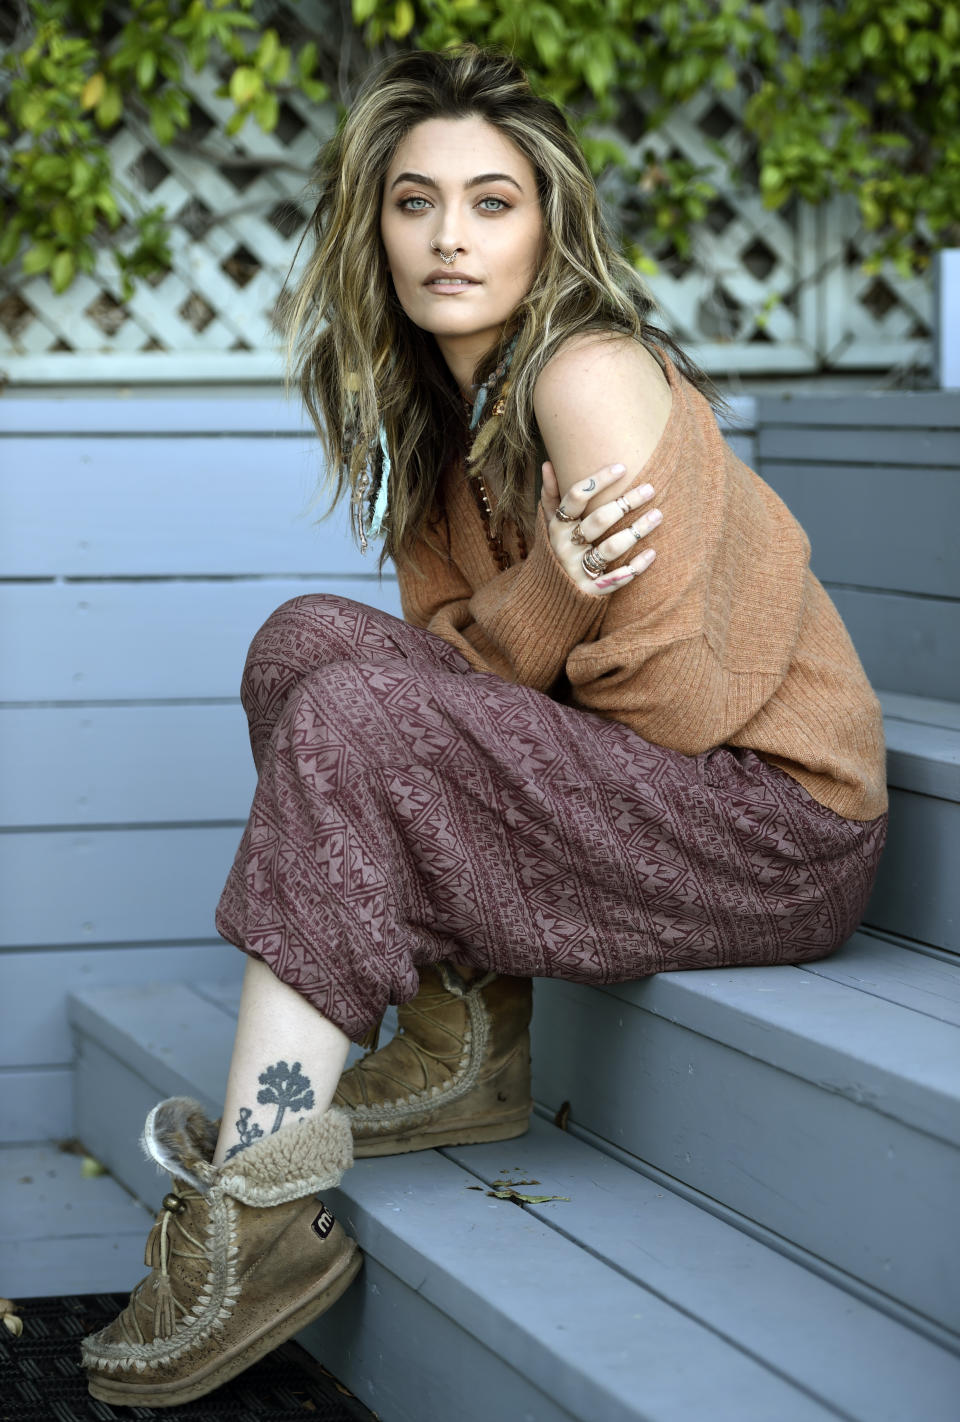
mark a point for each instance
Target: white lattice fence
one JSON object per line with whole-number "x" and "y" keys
{"x": 238, "y": 208}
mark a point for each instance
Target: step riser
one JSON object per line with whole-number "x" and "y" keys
{"x": 917, "y": 894}
{"x": 858, "y": 1189}
{"x": 406, "y": 1359}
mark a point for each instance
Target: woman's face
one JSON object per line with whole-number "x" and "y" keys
{"x": 465, "y": 187}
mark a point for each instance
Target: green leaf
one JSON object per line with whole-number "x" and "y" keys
{"x": 871, "y": 41}
{"x": 38, "y": 257}
{"x": 307, "y": 60}
{"x": 110, "y": 107}
{"x": 404, "y": 19}
{"x": 62, "y": 273}
{"x": 245, "y": 85}
{"x": 363, "y": 10}
{"x": 146, "y": 68}
{"x": 10, "y": 240}
{"x": 266, "y": 111}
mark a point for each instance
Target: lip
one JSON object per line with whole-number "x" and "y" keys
{"x": 442, "y": 275}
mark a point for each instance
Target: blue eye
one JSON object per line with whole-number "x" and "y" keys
{"x": 404, "y": 201}
{"x": 495, "y": 199}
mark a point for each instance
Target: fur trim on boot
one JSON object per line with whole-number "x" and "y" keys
{"x": 242, "y": 1256}
{"x": 457, "y": 1072}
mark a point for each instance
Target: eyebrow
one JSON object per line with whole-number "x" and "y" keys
{"x": 472, "y": 183}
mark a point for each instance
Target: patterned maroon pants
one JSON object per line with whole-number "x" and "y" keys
{"x": 411, "y": 809}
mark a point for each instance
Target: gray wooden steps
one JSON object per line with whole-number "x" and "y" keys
{"x": 820, "y": 1103}
{"x": 631, "y": 1300}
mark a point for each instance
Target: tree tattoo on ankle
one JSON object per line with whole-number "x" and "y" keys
{"x": 283, "y": 1086}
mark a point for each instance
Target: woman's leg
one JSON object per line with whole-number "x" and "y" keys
{"x": 287, "y": 1060}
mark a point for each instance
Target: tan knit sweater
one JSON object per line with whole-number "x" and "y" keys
{"x": 727, "y": 639}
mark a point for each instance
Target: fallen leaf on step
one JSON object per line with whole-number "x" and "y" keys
{"x": 509, "y": 1184}
{"x": 562, "y": 1116}
{"x": 519, "y": 1199}
{"x": 12, "y": 1321}
{"x": 90, "y": 1167}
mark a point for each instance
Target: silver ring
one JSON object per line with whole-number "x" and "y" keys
{"x": 623, "y": 504}
{"x": 633, "y": 530}
{"x": 563, "y": 516}
{"x": 592, "y": 564}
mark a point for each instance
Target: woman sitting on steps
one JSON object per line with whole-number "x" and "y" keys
{"x": 569, "y": 760}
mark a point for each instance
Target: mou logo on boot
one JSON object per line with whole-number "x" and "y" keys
{"x": 324, "y": 1222}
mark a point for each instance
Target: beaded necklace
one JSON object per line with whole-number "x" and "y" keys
{"x": 369, "y": 521}
{"x": 500, "y": 555}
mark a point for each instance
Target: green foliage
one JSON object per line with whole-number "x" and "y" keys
{"x": 67, "y": 86}
{"x": 867, "y": 105}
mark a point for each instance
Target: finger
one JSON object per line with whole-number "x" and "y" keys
{"x": 595, "y": 524}
{"x": 610, "y": 581}
{"x": 579, "y": 495}
{"x": 622, "y": 542}
{"x": 550, "y": 491}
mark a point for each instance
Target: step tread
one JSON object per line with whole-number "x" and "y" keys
{"x": 563, "y": 1291}
{"x": 923, "y": 744}
{"x": 61, "y": 1231}
{"x": 919, "y": 981}
{"x": 828, "y": 1030}
{"x": 771, "y": 1307}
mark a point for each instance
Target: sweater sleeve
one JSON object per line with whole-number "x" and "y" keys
{"x": 690, "y": 651}
{"x": 522, "y": 624}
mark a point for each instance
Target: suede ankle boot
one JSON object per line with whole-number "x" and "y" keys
{"x": 457, "y": 1072}
{"x": 242, "y": 1255}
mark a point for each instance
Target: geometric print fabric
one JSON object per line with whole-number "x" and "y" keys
{"x": 410, "y": 809}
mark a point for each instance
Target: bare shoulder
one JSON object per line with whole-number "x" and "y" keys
{"x": 602, "y": 399}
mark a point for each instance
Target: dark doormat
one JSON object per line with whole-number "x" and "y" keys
{"x": 41, "y": 1379}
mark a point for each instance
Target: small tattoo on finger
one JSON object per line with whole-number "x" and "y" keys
{"x": 589, "y": 486}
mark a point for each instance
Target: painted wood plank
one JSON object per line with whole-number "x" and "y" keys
{"x": 906, "y": 643}
{"x": 925, "y": 710}
{"x": 917, "y": 892}
{"x": 891, "y": 971}
{"x": 187, "y": 506}
{"x": 61, "y": 1233}
{"x": 113, "y": 886}
{"x": 409, "y": 1362}
{"x": 145, "y": 641}
{"x": 788, "y": 1153}
{"x": 849, "y": 1355}
{"x": 577, "y": 1330}
{"x": 923, "y": 758}
{"x": 162, "y": 414}
{"x": 35, "y": 1105}
{"x": 915, "y": 448}
{"x": 169, "y": 414}
{"x": 34, "y": 985}
{"x": 924, "y": 409}
{"x": 839, "y": 1040}
{"x": 100, "y": 765}
{"x": 854, "y": 515}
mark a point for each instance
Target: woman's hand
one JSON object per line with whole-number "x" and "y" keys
{"x": 572, "y": 536}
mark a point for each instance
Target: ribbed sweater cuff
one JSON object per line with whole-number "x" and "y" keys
{"x": 547, "y": 615}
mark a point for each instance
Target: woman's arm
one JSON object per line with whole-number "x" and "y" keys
{"x": 523, "y": 623}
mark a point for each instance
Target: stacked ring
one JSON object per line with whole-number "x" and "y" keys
{"x": 563, "y": 516}
{"x": 592, "y": 564}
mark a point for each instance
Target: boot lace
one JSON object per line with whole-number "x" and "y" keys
{"x": 169, "y": 1239}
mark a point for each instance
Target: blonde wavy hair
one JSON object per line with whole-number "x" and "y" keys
{"x": 358, "y": 358}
